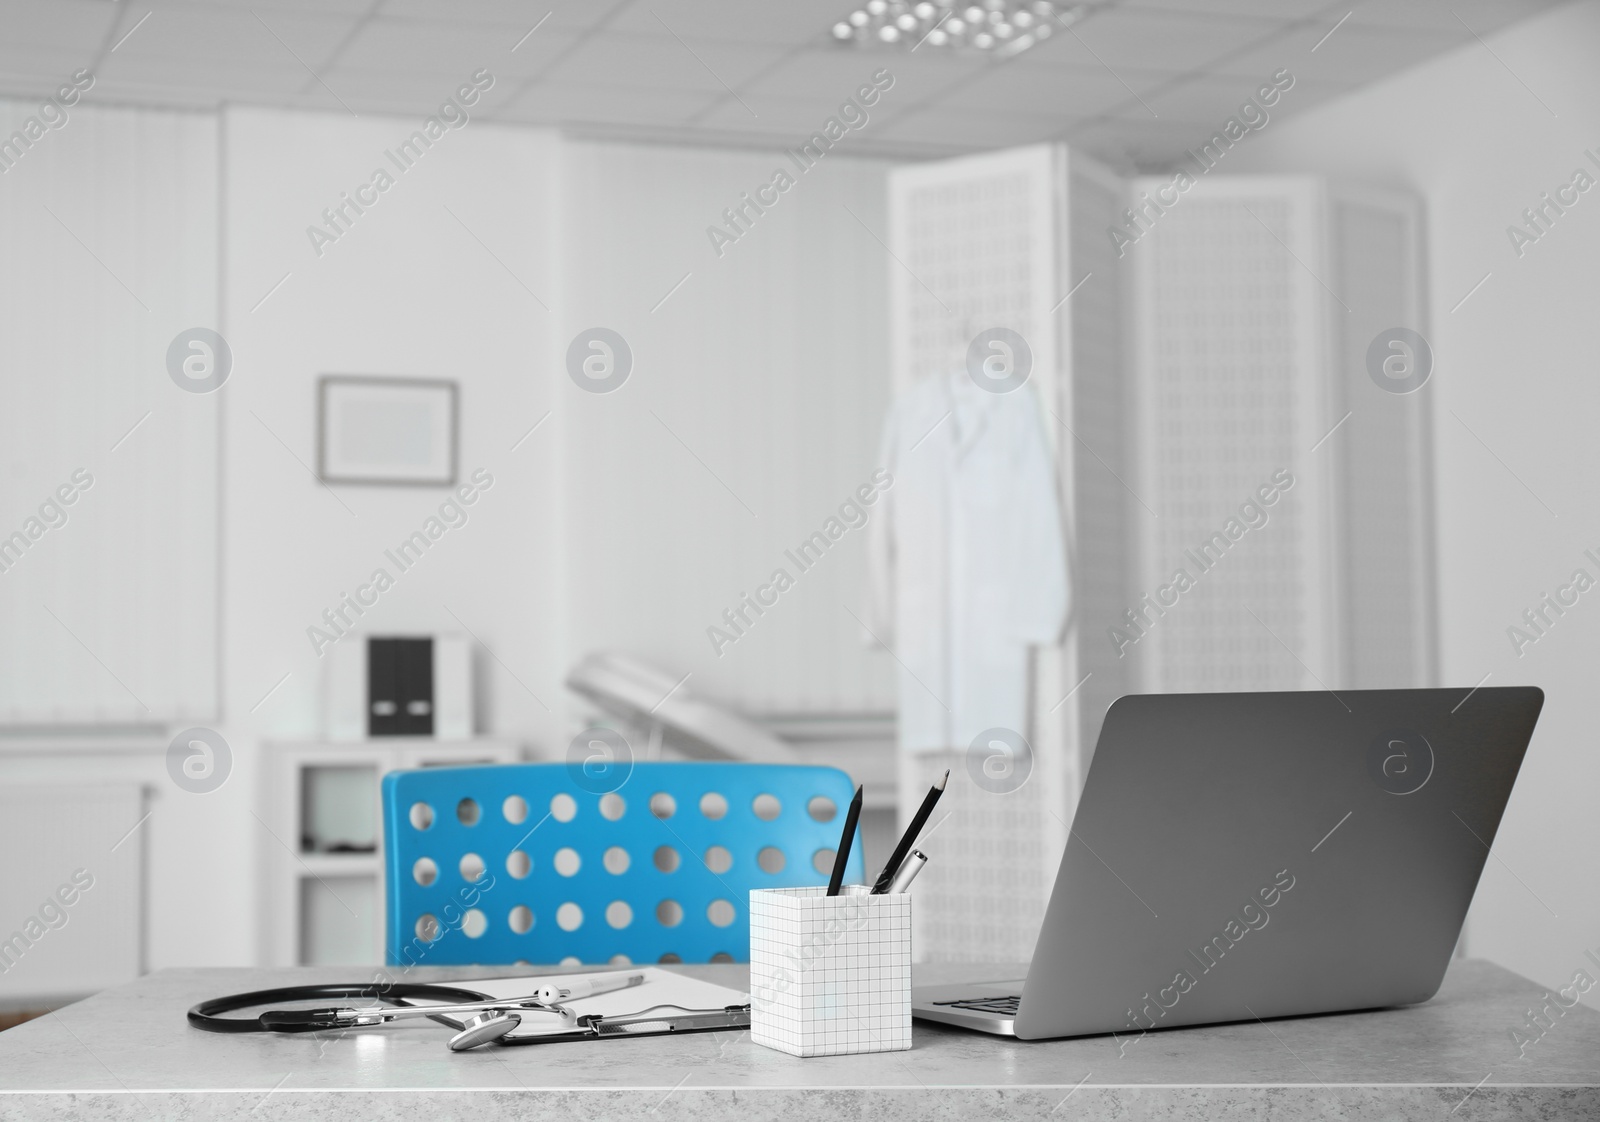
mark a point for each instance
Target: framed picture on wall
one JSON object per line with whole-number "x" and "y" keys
{"x": 386, "y": 431}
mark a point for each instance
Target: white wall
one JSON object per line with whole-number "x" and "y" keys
{"x": 92, "y": 291}
{"x": 409, "y": 290}
{"x": 1515, "y": 365}
{"x": 601, "y": 530}
{"x": 108, "y": 234}
{"x": 406, "y": 291}
{"x": 753, "y": 412}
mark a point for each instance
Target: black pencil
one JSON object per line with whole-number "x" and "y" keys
{"x": 909, "y": 838}
{"x": 842, "y": 857}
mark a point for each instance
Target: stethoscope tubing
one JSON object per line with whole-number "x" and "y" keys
{"x": 207, "y": 1015}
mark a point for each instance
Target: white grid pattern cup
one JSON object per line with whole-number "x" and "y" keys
{"x": 830, "y": 975}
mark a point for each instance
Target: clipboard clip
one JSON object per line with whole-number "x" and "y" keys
{"x": 647, "y": 1021}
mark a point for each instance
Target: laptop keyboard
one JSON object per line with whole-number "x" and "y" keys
{"x": 1000, "y": 1006}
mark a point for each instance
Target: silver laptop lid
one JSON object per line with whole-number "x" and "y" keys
{"x": 1253, "y": 855}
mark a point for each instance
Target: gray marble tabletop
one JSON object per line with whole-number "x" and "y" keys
{"x": 128, "y": 1054}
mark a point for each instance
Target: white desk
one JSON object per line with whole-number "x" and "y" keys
{"x": 128, "y": 1054}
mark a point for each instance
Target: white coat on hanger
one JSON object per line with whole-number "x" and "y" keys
{"x": 967, "y": 562}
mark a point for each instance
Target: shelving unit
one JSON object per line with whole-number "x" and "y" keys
{"x": 322, "y": 867}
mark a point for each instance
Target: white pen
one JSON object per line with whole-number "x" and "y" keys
{"x": 909, "y": 868}
{"x": 551, "y": 994}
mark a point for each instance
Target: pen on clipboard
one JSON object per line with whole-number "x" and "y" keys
{"x": 552, "y": 994}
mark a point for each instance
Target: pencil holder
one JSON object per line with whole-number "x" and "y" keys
{"x": 830, "y": 975}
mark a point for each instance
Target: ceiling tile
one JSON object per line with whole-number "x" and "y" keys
{"x": 26, "y": 71}
{"x": 450, "y": 50}
{"x": 350, "y": 8}
{"x": 413, "y": 95}
{"x": 786, "y": 23}
{"x": 604, "y": 103}
{"x": 531, "y": 56}
{"x": 563, "y": 15}
{"x": 1261, "y": 9}
{"x": 1209, "y": 100}
{"x": 452, "y": 64}
{"x": 1149, "y": 40}
{"x": 1158, "y": 144}
{"x": 58, "y": 23}
{"x": 662, "y": 61}
{"x": 788, "y": 119}
{"x": 219, "y": 77}
{"x": 1482, "y": 16}
{"x": 1081, "y": 91}
{"x": 179, "y": 34}
{"x": 161, "y": 95}
{"x": 968, "y": 131}
{"x": 1352, "y": 55}
{"x": 832, "y": 74}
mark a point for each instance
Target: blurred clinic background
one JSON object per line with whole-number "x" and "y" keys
{"x": 390, "y": 383}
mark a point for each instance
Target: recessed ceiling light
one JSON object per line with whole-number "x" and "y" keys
{"x": 1000, "y": 27}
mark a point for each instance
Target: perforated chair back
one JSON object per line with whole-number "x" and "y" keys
{"x": 541, "y": 863}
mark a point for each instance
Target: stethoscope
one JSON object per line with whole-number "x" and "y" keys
{"x": 487, "y": 1019}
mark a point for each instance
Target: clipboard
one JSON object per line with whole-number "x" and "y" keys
{"x": 664, "y": 1003}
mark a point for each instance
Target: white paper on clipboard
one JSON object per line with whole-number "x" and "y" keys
{"x": 659, "y": 988}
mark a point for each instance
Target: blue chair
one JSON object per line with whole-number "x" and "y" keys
{"x": 546, "y": 863}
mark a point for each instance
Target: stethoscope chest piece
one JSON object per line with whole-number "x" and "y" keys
{"x": 489, "y": 1025}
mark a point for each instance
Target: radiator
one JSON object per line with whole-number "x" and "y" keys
{"x": 72, "y": 874}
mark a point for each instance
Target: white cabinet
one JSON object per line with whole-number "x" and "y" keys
{"x": 322, "y": 850}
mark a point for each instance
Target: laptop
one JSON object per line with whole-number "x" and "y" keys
{"x": 1240, "y": 856}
